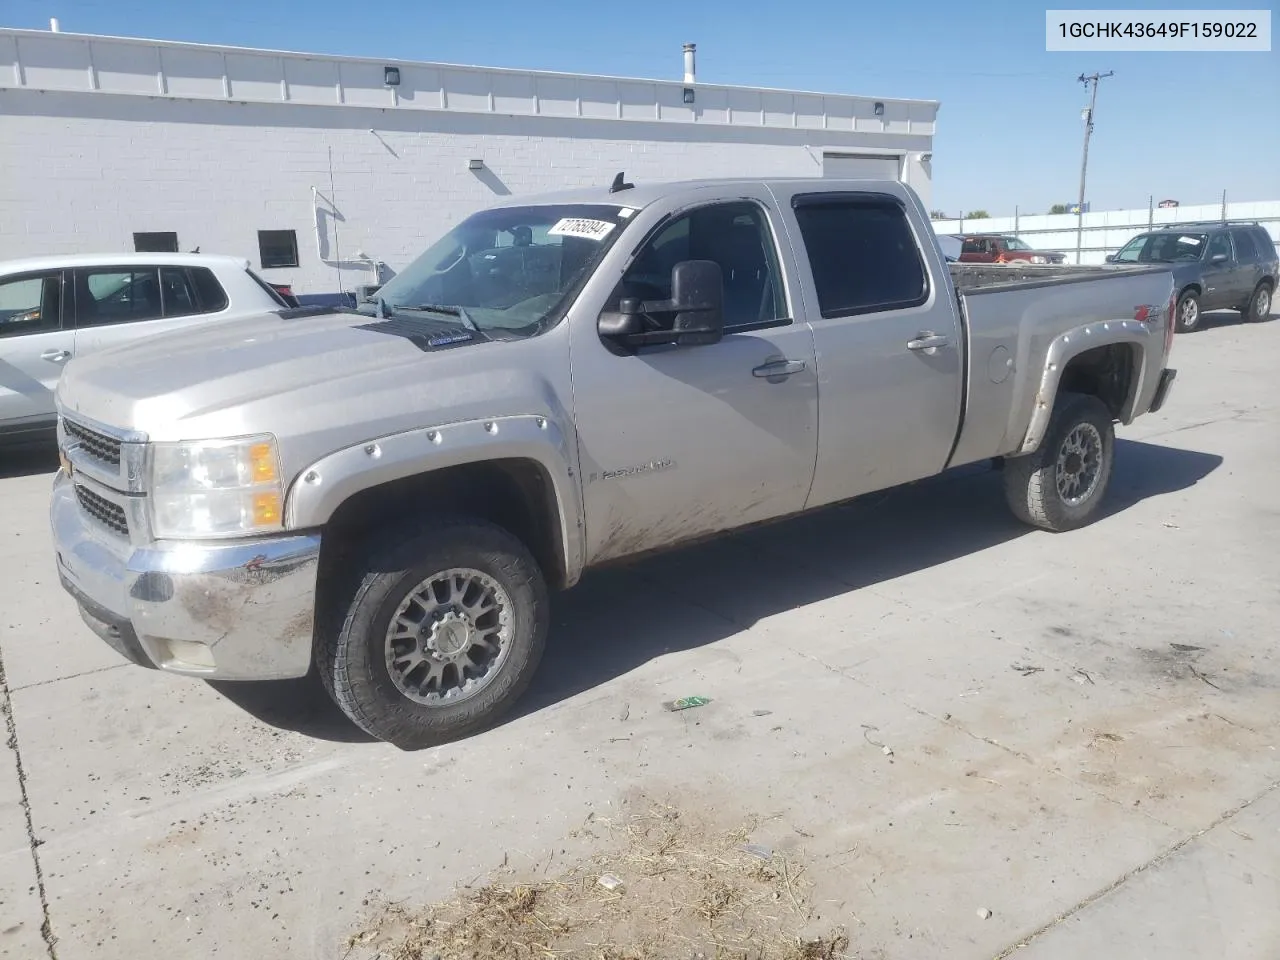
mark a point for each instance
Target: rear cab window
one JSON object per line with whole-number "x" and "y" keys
{"x": 863, "y": 253}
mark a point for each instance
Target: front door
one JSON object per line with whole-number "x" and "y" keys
{"x": 676, "y": 442}
{"x": 1222, "y": 281}
{"x": 34, "y": 348}
{"x": 888, "y": 345}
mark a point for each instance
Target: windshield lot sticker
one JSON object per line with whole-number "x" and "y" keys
{"x": 1194, "y": 241}
{"x": 579, "y": 227}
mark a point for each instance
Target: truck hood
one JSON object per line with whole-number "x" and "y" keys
{"x": 202, "y": 382}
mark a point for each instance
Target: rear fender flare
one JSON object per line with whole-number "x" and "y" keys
{"x": 1063, "y": 349}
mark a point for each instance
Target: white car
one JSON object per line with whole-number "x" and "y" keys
{"x": 56, "y": 308}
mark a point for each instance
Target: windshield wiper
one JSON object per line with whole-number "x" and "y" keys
{"x": 446, "y": 309}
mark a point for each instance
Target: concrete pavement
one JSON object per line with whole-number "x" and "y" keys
{"x": 1085, "y": 727}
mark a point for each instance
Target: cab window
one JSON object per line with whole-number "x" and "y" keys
{"x": 30, "y": 304}
{"x": 863, "y": 255}
{"x": 1220, "y": 244}
{"x": 117, "y": 295}
{"x": 734, "y": 235}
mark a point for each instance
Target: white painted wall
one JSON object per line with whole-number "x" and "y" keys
{"x": 82, "y": 173}
{"x": 101, "y": 138}
{"x": 1106, "y": 231}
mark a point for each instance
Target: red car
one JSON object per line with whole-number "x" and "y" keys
{"x": 998, "y": 248}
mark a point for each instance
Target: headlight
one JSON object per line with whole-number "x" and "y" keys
{"x": 1038, "y": 259}
{"x": 216, "y": 488}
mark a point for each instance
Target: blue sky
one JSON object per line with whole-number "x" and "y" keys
{"x": 1178, "y": 125}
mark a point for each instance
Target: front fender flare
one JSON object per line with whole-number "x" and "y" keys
{"x": 322, "y": 487}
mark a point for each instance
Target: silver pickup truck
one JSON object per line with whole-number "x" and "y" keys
{"x": 388, "y": 495}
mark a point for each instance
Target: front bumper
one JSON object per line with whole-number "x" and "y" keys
{"x": 218, "y": 610}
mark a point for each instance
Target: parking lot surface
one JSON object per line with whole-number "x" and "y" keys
{"x": 1084, "y": 728}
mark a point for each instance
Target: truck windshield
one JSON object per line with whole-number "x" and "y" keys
{"x": 1013, "y": 243}
{"x": 511, "y": 270}
{"x": 1162, "y": 248}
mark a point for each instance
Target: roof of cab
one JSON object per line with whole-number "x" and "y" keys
{"x": 65, "y": 261}
{"x": 642, "y": 194}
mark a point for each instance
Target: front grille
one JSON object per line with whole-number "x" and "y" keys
{"x": 110, "y": 515}
{"x": 97, "y": 445}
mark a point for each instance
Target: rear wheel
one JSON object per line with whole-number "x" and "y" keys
{"x": 1188, "y": 315}
{"x": 1061, "y": 486}
{"x": 442, "y": 634}
{"x": 1259, "y": 307}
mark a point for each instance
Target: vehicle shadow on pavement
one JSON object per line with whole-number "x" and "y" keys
{"x": 620, "y": 618}
{"x": 301, "y": 706}
{"x": 28, "y": 459}
{"x": 1223, "y": 318}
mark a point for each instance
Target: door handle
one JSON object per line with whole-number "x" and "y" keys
{"x": 928, "y": 341}
{"x": 56, "y": 356}
{"x": 778, "y": 368}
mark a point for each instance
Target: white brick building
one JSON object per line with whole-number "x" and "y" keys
{"x": 102, "y": 139}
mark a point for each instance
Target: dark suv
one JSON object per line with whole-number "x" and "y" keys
{"x": 1216, "y": 266}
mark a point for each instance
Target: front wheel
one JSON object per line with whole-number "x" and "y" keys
{"x": 1259, "y": 307}
{"x": 1188, "y": 315}
{"x": 443, "y": 633}
{"x": 1061, "y": 486}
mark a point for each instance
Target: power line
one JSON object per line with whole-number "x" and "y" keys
{"x": 1092, "y": 78}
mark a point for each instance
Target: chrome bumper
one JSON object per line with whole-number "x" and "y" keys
{"x": 218, "y": 610}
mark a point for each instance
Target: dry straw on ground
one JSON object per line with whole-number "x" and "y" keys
{"x": 687, "y": 892}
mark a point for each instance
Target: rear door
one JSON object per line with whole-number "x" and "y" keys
{"x": 887, "y": 343}
{"x": 34, "y": 347}
{"x": 1250, "y": 260}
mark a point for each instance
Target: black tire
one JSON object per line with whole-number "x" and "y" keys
{"x": 352, "y": 648}
{"x": 1187, "y": 316}
{"x": 1031, "y": 483}
{"x": 1260, "y": 304}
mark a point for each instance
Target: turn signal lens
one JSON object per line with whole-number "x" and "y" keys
{"x": 266, "y": 509}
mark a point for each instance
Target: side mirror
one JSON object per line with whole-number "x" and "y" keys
{"x": 1111, "y": 258}
{"x": 1219, "y": 258}
{"x": 697, "y": 297}
{"x": 697, "y": 300}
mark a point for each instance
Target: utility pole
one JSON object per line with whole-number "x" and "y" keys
{"x": 1093, "y": 79}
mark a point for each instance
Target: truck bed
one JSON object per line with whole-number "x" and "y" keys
{"x": 980, "y": 277}
{"x": 1014, "y": 315}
